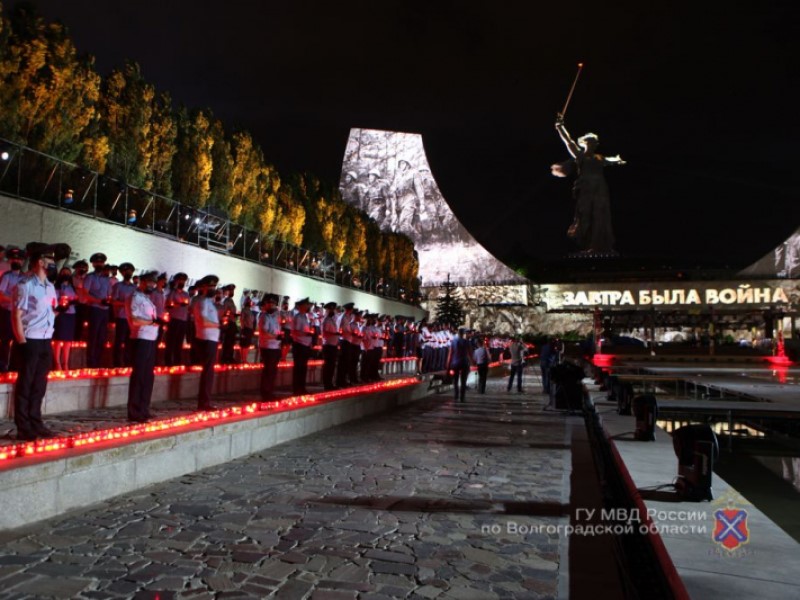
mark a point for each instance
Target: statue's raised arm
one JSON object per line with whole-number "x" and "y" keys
{"x": 572, "y": 147}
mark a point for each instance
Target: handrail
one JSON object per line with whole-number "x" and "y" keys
{"x": 34, "y": 176}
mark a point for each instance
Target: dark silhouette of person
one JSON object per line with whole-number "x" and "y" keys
{"x": 591, "y": 227}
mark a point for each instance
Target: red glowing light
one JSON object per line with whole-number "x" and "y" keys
{"x": 603, "y": 360}
{"x": 250, "y": 410}
{"x": 779, "y": 360}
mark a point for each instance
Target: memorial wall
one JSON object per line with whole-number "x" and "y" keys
{"x": 386, "y": 174}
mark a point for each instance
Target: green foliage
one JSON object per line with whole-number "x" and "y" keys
{"x": 449, "y": 309}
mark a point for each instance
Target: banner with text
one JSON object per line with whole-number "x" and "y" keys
{"x": 768, "y": 294}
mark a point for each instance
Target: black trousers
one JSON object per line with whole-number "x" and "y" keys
{"x": 6, "y": 337}
{"x": 377, "y": 355}
{"x": 176, "y": 333}
{"x": 483, "y": 372}
{"x": 123, "y": 351}
{"x": 229, "y": 335}
{"x": 460, "y": 374}
{"x": 352, "y": 363}
{"x": 98, "y": 334}
{"x": 269, "y": 371}
{"x": 516, "y": 371}
{"x": 207, "y": 353}
{"x": 343, "y": 367}
{"x": 301, "y": 354}
{"x": 329, "y": 355}
{"x": 140, "y": 387}
{"x": 546, "y": 379}
{"x": 35, "y": 358}
{"x": 81, "y": 317}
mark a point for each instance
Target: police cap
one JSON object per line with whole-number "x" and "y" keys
{"x": 209, "y": 280}
{"x": 37, "y": 250}
{"x": 13, "y": 253}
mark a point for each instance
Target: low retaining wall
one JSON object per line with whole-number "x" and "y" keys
{"x": 91, "y": 392}
{"x": 47, "y": 488}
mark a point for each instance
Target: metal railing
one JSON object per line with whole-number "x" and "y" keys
{"x": 37, "y": 177}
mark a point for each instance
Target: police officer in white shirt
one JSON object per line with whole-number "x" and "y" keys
{"x": 33, "y": 321}
{"x": 122, "y": 352}
{"x": 302, "y": 333}
{"x": 8, "y": 285}
{"x": 97, "y": 295}
{"x": 270, "y": 333}
{"x": 144, "y": 322}
{"x": 178, "y": 310}
{"x": 346, "y": 349}
{"x": 206, "y": 327}
{"x": 330, "y": 346}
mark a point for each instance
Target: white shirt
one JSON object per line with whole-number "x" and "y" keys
{"x": 159, "y": 299}
{"x": 379, "y": 336}
{"x": 346, "y": 328}
{"x": 269, "y": 328}
{"x": 481, "y": 356}
{"x": 301, "y": 329}
{"x": 179, "y": 309}
{"x": 120, "y": 293}
{"x": 330, "y": 332}
{"x": 206, "y": 320}
{"x": 37, "y": 301}
{"x": 141, "y": 307}
{"x": 8, "y": 283}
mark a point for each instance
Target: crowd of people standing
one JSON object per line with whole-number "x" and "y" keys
{"x": 110, "y": 305}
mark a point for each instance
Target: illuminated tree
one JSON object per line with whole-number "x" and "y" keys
{"x": 126, "y": 109}
{"x": 48, "y": 95}
{"x": 95, "y": 150}
{"x": 193, "y": 162}
{"x": 356, "y": 233}
{"x": 161, "y": 147}
{"x": 449, "y": 309}
{"x": 221, "y": 184}
{"x": 250, "y": 181}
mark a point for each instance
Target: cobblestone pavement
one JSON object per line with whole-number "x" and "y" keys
{"x": 437, "y": 500}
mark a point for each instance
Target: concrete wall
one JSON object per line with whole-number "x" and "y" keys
{"x": 22, "y": 222}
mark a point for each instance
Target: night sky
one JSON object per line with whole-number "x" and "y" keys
{"x": 700, "y": 98}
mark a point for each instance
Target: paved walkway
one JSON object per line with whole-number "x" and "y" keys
{"x": 438, "y": 500}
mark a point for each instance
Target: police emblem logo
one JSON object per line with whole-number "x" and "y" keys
{"x": 730, "y": 528}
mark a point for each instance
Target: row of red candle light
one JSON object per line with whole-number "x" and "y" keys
{"x": 129, "y": 433}
{"x": 177, "y": 370}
